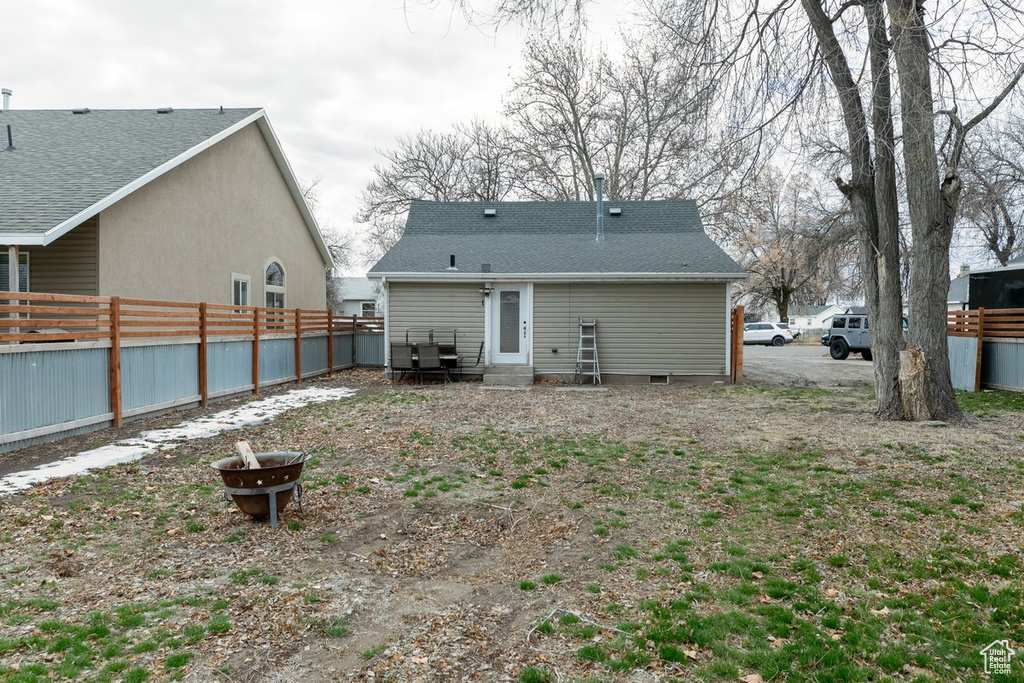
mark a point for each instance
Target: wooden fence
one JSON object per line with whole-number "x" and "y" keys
{"x": 984, "y": 348}
{"x": 45, "y": 331}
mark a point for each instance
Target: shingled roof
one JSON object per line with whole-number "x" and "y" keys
{"x": 66, "y": 167}
{"x": 556, "y": 240}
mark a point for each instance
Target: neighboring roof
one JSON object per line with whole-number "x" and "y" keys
{"x": 958, "y": 289}
{"x": 810, "y": 311}
{"x": 356, "y": 288}
{"x": 556, "y": 240}
{"x": 1014, "y": 261}
{"x": 65, "y": 168}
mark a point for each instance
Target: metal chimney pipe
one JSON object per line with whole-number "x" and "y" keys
{"x": 7, "y": 98}
{"x": 598, "y": 183}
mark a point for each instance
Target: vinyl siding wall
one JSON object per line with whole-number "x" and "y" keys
{"x": 439, "y": 307}
{"x": 69, "y": 265}
{"x": 642, "y": 329}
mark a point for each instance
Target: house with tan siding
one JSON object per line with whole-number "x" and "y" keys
{"x": 517, "y": 277}
{"x": 168, "y": 204}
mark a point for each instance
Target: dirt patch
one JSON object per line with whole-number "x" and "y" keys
{"x": 449, "y": 533}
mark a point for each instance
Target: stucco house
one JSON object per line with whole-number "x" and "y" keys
{"x": 518, "y": 276}
{"x": 169, "y": 204}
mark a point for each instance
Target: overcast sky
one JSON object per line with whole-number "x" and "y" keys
{"x": 339, "y": 79}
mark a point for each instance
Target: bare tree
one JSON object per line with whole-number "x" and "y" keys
{"x": 795, "y": 246}
{"x": 993, "y": 200}
{"x": 470, "y": 162}
{"x": 893, "y": 74}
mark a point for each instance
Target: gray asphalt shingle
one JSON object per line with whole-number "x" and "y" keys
{"x": 652, "y": 237}
{"x": 63, "y": 163}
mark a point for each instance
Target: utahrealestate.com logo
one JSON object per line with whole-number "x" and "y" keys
{"x": 997, "y": 657}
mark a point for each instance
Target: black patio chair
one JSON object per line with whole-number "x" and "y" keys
{"x": 430, "y": 361}
{"x": 401, "y": 360}
{"x": 462, "y": 361}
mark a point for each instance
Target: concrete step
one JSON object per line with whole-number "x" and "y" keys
{"x": 509, "y": 375}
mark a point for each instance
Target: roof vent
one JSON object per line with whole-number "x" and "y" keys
{"x": 83, "y": 110}
{"x": 485, "y": 267}
{"x": 165, "y": 110}
{"x": 490, "y": 213}
{"x": 615, "y": 211}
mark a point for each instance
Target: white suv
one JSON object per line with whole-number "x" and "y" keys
{"x": 769, "y": 334}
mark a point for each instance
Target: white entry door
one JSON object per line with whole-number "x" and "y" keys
{"x": 510, "y": 325}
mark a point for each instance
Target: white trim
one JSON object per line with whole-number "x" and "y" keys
{"x": 259, "y": 117}
{"x": 477, "y": 278}
{"x": 728, "y": 329}
{"x": 387, "y": 323}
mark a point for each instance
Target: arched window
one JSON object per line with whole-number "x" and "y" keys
{"x": 273, "y": 285}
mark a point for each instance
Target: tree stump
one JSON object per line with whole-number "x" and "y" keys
{"x": 912, "y": 384}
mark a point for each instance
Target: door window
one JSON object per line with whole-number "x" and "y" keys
{"x": 508, "y": 335}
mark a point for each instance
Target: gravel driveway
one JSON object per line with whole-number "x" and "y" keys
{"x": 804, "y": 365}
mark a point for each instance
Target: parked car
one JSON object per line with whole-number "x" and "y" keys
{"x": 848, "y": 334}
{"x": 796, "y": 333}
{"x": 769, "y": 334}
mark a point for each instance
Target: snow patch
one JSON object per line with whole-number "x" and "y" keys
{"x": 156, "y": 440}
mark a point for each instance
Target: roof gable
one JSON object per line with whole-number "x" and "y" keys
{"x": 65, "y": 168}
{"x": 655, "y": 239}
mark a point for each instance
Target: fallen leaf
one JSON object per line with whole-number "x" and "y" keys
{"x": 881, "y": 612}
{"x": 752, "y": 678}
{"x": 758, "y": 575}
{"x": 762, "y": 598}
{"x": 692, "y": 654}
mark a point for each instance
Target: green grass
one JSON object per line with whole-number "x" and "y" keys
{"x": 986, "y": 403}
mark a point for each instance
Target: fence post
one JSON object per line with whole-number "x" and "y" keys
{"x": 330, "y": 343}
{"x": 737, "y": 344}
{"x": 354, "y": 323}
{"x": 298, "y": 346}
{"x": 204, "y": 394}
{"x": 977, "y": 364}
{"x": 256, "y": 350}
{"x": 115, "y": 361}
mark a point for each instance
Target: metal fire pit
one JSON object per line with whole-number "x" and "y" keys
{"x": 264, "y": 492}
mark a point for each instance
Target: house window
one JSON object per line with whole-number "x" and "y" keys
{"x": 369, "y": 309}
{"x": 5, "y": 272}
{"x": 273, "y": 285}
{"x": 239, "y": 289}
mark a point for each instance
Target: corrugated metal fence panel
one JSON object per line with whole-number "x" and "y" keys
{"x": 277, "y": 359}
{"x": 314, "y": 355}
{"x": 151, "y": 375}
{"x": 228, "y": 366}
{"x": 50, "y": 387}
{"x": 963, "y": 361}
{"x": 343, "y": 350}
{"x": 1002, "y": 364}
{"x": 369, "y": 349}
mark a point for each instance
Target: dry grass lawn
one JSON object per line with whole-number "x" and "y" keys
{"x": 639, "y": 533}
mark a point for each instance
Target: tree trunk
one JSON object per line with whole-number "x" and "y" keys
{"x": 885, "y": 310}
{"x": 932, "y": 211}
